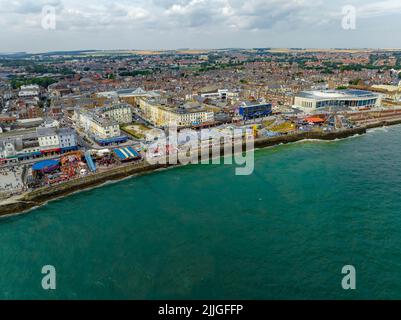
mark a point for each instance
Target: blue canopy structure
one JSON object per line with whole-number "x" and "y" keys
{"x": 115, "y": 140}
{"x": 125, "y": 154}
{"x": 91, "y": 164}
{"x": 46, "y": 165}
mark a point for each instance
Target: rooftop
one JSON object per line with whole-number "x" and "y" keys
{"x": 337, "y": 94}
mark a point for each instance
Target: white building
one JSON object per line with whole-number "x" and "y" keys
{"x": 326, "y": 100}
{"x": 130, "y": 96}
{"x": 222, "y": 94}
{"x": 50, "y": 123}
{"x": 52, "y": 138}
{"x": 29, "y": 91}
{"x": 67, "y": 138}
{"x": 7, "y": 149}
{"x": 120, "y": 112}
{"x": 48, "y": 138}
{"x": 96, "y": 126}
{"x": 183, "y": 116}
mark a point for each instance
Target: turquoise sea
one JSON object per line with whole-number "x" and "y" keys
{"x": 201, "y": 232}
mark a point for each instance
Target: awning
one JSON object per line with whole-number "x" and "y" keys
{"x": 121, "y": 139}
{"x": 51, "y": 150}
{"x": 67, "y": 149}
{"x": 128, "y": 153}
{"x": 46, "y": 166}
{"x": 315, "y": 120}
{"x": 31, "y": 154}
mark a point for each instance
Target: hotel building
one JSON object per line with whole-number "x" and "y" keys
{"x": 181, "y": 116}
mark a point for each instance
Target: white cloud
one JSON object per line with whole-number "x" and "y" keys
{"x": 162, "y": 14}
{"x": 379, "y": 8}
{"x": 209, "y": 17}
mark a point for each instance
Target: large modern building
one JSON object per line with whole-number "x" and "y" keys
{"x": 252, "y": 110}
{"x": 326, "y": 100}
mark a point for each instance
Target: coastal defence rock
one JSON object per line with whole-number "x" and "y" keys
{"x": 40, "y": 196}
{"x": 43, "y": 194}
{"x": 383, "y": 123}
{"x": 268, "y": 142}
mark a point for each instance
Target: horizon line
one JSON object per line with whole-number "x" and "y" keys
{"x": 201, "y": 49}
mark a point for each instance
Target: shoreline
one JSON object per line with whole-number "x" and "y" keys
{"x": 41, "y": 196}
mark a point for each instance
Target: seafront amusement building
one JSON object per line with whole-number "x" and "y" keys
{"x": 313, "y": 101}
{"x": 36, "y": 144}
{"x": 56, "y": 139}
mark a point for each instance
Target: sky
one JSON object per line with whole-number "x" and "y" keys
{"x": 54, "y": 25}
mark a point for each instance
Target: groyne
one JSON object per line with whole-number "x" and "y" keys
{"x": 42, "y": 195}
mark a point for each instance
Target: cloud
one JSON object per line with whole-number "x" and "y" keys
{"x": 266, "y": 14}
{"x": 169, "y": 20}
{"x": 379, "y": 8}
{"x": 162, "y": 14}
{"x": 26, "y": 7}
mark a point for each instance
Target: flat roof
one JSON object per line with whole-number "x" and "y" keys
{"x": 337, "y": 94}
{"x": 44, "y": 165}
{"x": 126, "y": 153}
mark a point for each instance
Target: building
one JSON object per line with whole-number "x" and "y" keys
{"x": 29, "y": 123}
{"x": 130, "y": 96}
{"x": 29, "y": 145}
{"x": 7, "y": 120}
{"x": 104, "y": 131}
{"x": 29, "y": 91}
{"x": 326, "y": 100}
{"x": 253, "y": 110}
{"x": 120, "y": 112}
{"x": 392, "y": 93}
{"x": 48, "y": 138}
{"x": 186, "y": 115}
{"x": 97, "y": 126}
{"x": 56, "y": 140}
{"x": 7, "y": 149}
{"x": 68, "y": 139}
{"x": 222, "y": 94}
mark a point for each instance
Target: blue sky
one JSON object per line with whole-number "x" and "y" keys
{"x": 169, "y": 24}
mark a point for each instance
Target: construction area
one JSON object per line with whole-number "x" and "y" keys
{"x": 11, "y": 181}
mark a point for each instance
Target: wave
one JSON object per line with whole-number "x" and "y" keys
{"x": 3, "y": 219}
{"x": 379, "y": 129}
{"x": 312, "y": 141}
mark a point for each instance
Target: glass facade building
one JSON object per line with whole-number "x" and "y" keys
{"x": 255, "y": 111}
{"x": 341, "y": 99}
